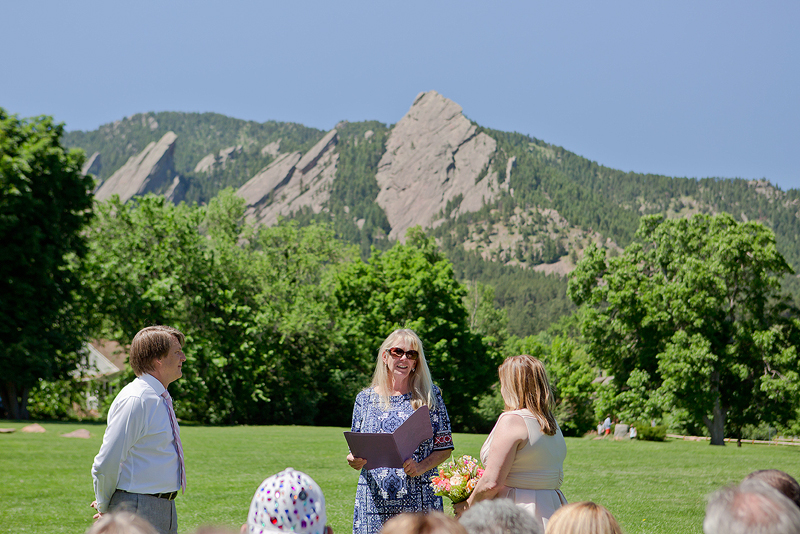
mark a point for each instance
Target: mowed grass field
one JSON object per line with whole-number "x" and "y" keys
{"x": 46, "y": 486}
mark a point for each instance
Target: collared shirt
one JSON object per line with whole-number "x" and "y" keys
{"x": 138, "y": 453}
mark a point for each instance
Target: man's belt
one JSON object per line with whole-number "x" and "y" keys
{"x": 169, "y": 496}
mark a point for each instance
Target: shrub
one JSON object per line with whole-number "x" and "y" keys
{"x": 650, "y": 433}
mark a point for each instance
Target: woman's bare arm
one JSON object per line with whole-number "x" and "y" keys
{"x": 510, "y": 434}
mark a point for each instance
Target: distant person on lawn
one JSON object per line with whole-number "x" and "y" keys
{"x": 751, "y": 507}
{"x": 140, "y": 466}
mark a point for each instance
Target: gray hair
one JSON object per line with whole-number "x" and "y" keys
{"x": 499, "y": 516}
{"x": 752, "y": 507}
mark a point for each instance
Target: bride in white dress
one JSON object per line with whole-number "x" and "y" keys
{"x": 524, "y": 454}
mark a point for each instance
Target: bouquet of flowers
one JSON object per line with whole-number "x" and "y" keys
{"x": 457, "y": 478}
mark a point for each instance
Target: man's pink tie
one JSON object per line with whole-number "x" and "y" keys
{"x": 176, "y": 438}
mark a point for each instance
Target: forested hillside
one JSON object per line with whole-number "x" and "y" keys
{"x": 551, "y": 204}
{"x": 200, "y": 134}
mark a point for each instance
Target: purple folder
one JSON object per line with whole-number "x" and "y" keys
{"x": 391, "y": 450}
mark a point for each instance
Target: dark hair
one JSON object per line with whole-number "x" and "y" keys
{"x": 779, "y": 480}
{"x": 150, "y": 344}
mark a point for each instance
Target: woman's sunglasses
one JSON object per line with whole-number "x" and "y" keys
{"x": 397, "y": 352}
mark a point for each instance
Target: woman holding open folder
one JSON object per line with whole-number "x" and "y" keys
{"x": 400, "y": 385}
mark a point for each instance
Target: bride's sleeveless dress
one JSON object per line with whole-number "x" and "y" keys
{"x": 536, "y": 475}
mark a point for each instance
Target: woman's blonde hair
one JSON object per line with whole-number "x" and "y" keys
{"x": 582, "y": 518}
{"x": 524, "y": 385}
{"x": 419, "y": 382}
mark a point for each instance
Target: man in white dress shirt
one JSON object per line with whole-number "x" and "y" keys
{"x": 140, "y": 465}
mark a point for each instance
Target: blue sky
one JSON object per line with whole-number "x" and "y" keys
{"x": 679, "y": 88}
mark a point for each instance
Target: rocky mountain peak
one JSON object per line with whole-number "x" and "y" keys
{"x": 434, "y": 154}
{"x": 292, "y": 181}
{"x": 145, "y": 172}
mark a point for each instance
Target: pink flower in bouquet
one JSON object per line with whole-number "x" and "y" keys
{"x": 457, "y": 478}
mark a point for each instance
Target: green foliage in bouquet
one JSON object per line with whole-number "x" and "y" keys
{"x": 457, "y": 478}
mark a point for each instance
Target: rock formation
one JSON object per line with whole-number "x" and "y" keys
{"x": 271, "y": 149}
{"x": 433, "y": 155}
{"x": 256, "y": 191}
{"x": 512, "y": 162}
{"x": 177, "y": 190}
{"x": 145, "y": 172}
{"x": 92, "y": 165}
{"x": 226, "y": 154}
{"x": 292, "y": 181}
{"x": 312, "y": 156}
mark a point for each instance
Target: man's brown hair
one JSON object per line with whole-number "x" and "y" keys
{"x": 150, "y": 344}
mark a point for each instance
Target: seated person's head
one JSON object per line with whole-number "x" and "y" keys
{"x": 289, "y": 501}
{"x": 430, "y": 523}
{"x": 752, "y": 506}
{"x": 779, "y": 480}
{"x": 121, "y": 523}
{"x": 499, "y": 516}
{"x": 582, "y": 518}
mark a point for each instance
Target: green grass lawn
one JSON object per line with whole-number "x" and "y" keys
{"x": 45, "y": 481}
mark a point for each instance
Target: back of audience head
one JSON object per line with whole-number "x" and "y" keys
{"x": 289, "y": 501}
{"x": 499, "y": 516}
{"x": 430, "y": 523}
{"x": 752, "y": 507}
{"x": 582, "y": 518}
{"x": 122, "y": 523}
{"x": 779, "y": 480}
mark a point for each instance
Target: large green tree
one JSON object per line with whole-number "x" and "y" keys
{"x": 45, "y": 203}
{"x": 691, "y": 317}
{"x": 412, "y": 285}
{"x": 255, "y": 304}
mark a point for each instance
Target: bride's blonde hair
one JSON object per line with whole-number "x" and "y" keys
{"x": 419, "y": 382}
{"x": 524, "y": 385}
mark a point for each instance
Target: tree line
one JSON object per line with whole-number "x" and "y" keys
{"x": 686, "y": 327}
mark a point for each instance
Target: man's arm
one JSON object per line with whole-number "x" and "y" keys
{"x": 125, "y": 424}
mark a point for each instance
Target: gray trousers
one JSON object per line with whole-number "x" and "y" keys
{"x": 157, "y": 511}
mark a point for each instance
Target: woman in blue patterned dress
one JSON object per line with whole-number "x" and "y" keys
{"x": 401, "y": 384}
